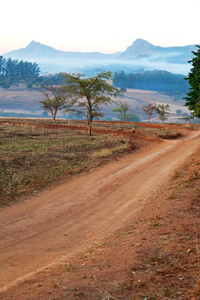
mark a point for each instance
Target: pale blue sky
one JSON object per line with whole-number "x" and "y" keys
{"x": 105, "y": 26}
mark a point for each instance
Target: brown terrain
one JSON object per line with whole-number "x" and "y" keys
{"x": 22, "y": 100}
{"x": 127, "y": 230}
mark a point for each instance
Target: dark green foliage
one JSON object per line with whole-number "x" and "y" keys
{"x": 12, "y": 71}
{"x": 193, "y": 97}
{"x": 152, "y": 80}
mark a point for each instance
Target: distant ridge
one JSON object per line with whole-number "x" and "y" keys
{"x": 141, "y": 55}
{"x": 38, "y": 50}
{"x": 139, "y": 48}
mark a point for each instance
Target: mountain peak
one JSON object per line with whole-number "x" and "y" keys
{"x": 32, "y": 43}
{"x": 34, "y": 50}
{"x": 141, "y": 42}
{"x": 139, "y": 47}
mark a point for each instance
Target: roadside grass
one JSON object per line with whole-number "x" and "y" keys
{"x": 36, "y": 152}
{"x": 108, "y": 152}
{"x": 31, "y": 158}
{"x": 162, "y": 131}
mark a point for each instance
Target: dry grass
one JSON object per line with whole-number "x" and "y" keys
{"x": 36, "y": 152}
{"x": 109, "y": 152}
{"x": 155, "y": 221}
{"x": 31, "y": 158}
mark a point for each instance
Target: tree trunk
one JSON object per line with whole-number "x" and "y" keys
{"x": 124, "y": 114}
{"x": 90, "y": 129}
{"x": 90, "y": 118}
{"x": 54, "y": 114}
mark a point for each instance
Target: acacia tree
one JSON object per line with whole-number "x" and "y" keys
{"x": 163, "y": 111}
{"x": 149, "y": 109}
{"x": 123, "y": 107}
{"x": 88, "y": 94}
{"x": 193, "y": 97}
{"x": 55, "y": 98}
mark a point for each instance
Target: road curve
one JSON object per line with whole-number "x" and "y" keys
{"x": 51, "y": 227}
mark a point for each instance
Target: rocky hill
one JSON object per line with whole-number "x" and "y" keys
{"x": 141, "y": 48}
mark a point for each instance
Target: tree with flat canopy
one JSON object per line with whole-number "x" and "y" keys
{"x": 88, "y": 94}
{"x": 55, "y": 98}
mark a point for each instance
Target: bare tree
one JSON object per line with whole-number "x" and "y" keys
{"x": 55, "y": 98}
{"x": 123, "y": 107}
{"x": 149, "y": 109}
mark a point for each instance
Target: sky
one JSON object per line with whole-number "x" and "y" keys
{"x": 105, "y": 26}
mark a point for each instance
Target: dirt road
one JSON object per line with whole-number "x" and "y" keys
{"x": 55, "y": 225}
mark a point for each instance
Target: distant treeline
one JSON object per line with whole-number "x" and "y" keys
{"x": 12, "y": 71}
{"x": 162, "y": 81}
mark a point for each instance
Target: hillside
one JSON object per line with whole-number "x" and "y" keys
{"x": 22, "y": 102}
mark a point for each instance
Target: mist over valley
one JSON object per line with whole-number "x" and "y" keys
{"x": 144, "y": 65}
{"x": 140, "y": 56}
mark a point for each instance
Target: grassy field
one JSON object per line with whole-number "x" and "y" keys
{"x": 35, "y": 153}
{"x": 31, "y": 158}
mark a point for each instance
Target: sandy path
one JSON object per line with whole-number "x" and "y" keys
{"x": 56, "y": 224}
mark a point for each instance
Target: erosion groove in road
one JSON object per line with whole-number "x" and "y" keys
{"x": 55, "y": 225}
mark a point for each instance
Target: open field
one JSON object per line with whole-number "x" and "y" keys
{"x": 22, "y": 100}
{"x": 35, "y": 153}
{"x": 31, "y": 158}
{"x": 127, "y": 229}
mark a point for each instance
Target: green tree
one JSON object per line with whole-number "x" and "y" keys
{"x": 89, "y": 93}
{"x": 163, "y": 111}
{"x": 129, "y": 117}
{"x": 123, "y": 107}
{"x": 149, "y": 109}
{"x": 193, "y": 97}
{"x": 2, "y": 65}
{"x": 55, "y": 99}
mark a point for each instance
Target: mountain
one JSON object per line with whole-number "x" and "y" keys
{"x": 141, "y": 55}
{"x": 36, "y": 50}
{"x": 141, "y": 48}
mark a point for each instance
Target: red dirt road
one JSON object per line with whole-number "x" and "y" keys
{"x": 55, "y": 225}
